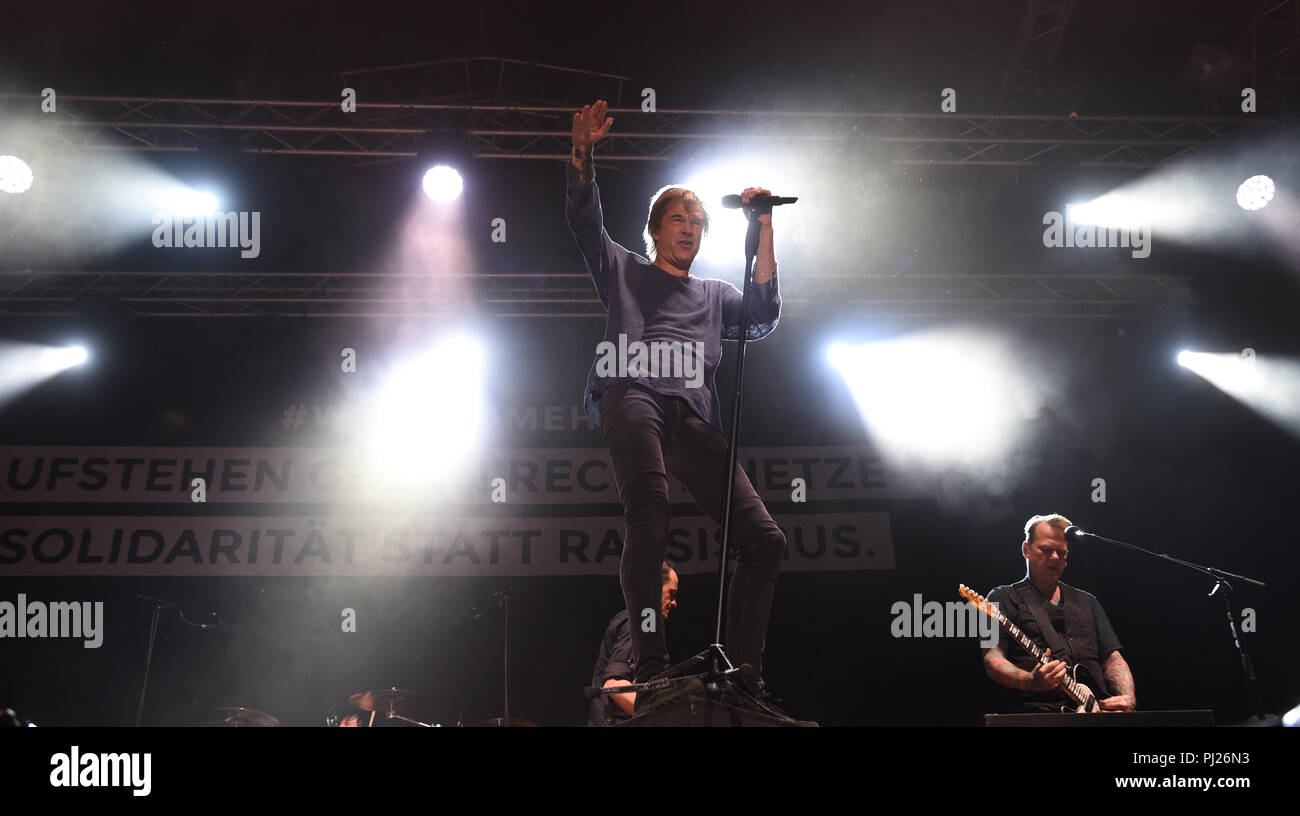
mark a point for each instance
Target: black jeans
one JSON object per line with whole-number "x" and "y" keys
{"x": 649, "y": 436}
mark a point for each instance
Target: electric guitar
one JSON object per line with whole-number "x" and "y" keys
{"x": 1082, "y": 697}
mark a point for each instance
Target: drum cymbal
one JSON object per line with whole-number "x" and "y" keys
{"x": 400, "y": 701}
{"x": 236, "y": 717}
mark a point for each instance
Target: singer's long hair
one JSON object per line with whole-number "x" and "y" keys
{"x": 659, "y": 203}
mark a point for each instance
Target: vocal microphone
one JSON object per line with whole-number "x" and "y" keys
{"x": 1074, "y": 533}
{"x": 163, "y": 603}
{"x": 733, "y": 202}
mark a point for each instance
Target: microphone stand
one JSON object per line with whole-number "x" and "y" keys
{"x": 502, "y": 599}
{"x": 1220, "y": 583}
{"x": 159, "y": 604}
{"x": 720, "y": 667}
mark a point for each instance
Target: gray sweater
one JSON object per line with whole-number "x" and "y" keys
{"x": 663, "y": 332}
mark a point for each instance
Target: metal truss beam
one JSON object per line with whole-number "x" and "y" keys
{"x": 392, "y": 130}
{"x": 239, "y": 293}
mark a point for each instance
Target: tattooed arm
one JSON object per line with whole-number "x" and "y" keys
{"x": 1119, "y": 680}
{"x": 1001, "y": 670}
{"x": 1044, "y": 677}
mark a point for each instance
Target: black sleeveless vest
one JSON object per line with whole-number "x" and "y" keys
{"x": 1076, "y": 644}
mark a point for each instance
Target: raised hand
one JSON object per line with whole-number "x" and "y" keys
{"x": 589, "y": 126}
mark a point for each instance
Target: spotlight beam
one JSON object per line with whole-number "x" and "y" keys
{"x": 1269, "y": 386}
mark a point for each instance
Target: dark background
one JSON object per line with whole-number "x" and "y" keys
{"x": 1189, "y": 471}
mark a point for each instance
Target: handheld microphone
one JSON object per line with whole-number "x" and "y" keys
{"x": 733, "y": 202}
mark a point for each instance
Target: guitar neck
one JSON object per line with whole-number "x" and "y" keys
{"x": 1068, "y": 684}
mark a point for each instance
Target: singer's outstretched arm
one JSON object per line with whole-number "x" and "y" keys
{"x": 582, "y": 207}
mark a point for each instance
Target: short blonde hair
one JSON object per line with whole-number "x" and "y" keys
{"x": 659, "y": 203}
{"x": 1056, "y": 520}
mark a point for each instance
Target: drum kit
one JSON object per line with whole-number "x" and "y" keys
{"x": 390, "y": 706}
{"x": 365, "y": 709}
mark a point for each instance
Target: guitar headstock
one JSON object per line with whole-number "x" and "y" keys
{"x": 977, "y": 600}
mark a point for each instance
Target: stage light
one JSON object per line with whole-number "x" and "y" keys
{"x": 54, "y": 360}
{"x": 186, "y": 201}
{"x": 443, "y": 183}
{"x": 24, "y": 366}
{"x": 1255, "y": 193}
{"x": 1267, "y": 384}
{"x": 15, "y": 175}
{"x": 1110, "y": 210}
{"x": 1231, "y": 372}
{"x": 446, "y": 154}
{"x": 426, "y": 420}
{"x": 838, "y": 355}
{"x": 948, "y": 396}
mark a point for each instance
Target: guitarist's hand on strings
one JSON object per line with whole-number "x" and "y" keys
{"x": 1047, "y": 676}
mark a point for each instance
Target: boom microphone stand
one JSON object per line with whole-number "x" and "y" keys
{"x": 159, "y": 604}
{"x": 1073, "y": 534}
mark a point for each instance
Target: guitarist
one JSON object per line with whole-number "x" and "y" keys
{"x": 1069, "y": 622}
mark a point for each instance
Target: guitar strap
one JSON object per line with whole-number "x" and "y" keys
{"x": 1034, "y": 604}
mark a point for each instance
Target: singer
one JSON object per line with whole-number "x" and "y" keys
{"x": 1068, "y": 622}
{"x": 652, "y": 418}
